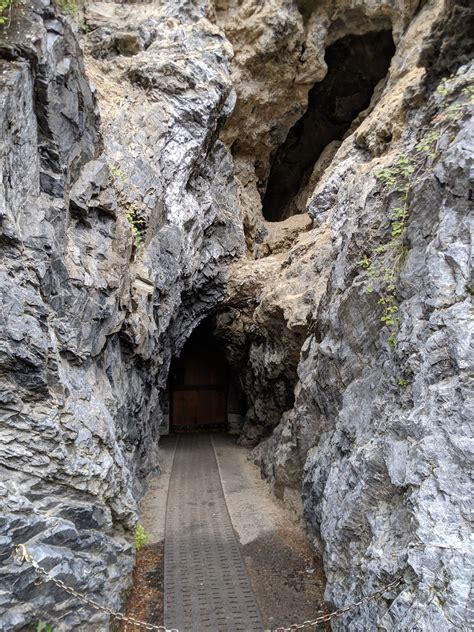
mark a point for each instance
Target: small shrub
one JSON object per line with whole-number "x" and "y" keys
{"x": 135, "y": 216}
{"x": 42, "y": 626}
{"x": 140, "y": 537}
{"x": 136, "y": 221}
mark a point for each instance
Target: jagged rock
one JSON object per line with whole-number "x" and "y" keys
{"x": 128, "y": 43}
{"x": 266, "y": 318}
{"x": 373, "y": 491}
{"x": 92, "y": 191}
{"x": 111, "y": 254}
{"x": 279, "y": 56}
{"x": 118, "y": 236}
{"x": 366, "y": 419}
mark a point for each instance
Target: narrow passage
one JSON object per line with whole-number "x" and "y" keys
{"x": 206, "y": 583}
{"x": 286, "y": 578}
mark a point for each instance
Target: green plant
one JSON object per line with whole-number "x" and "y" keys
{"x": 392, "y": 339}
{"x": 383, "y": 262}
{"x": 5, "y": 11}
{"x": 67, "y": 6}
{"x": 460, "y": 88}
{"x": 442, "y": 89}
{"x": 136, "y": 222}
{"x": 140, "y": 536}
{"x": 403, "y": 383}
{"x": 42, "y": 626}
{"x": 134, "y": 215}
{"x": 428, "y": 143}
{"x": 116, "y": 171}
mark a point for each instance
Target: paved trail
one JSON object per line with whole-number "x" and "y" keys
{"x": 206, "y": 583}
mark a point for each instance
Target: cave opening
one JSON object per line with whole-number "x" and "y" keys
{"x": 204, "y": 391}
{"x": 356, "y": 63}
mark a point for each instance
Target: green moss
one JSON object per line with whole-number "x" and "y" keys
{"x": 42, "y": 626}
{"x": 67, "y": 6}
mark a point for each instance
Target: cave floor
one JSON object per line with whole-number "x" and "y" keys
{"x": 222, "y": 524}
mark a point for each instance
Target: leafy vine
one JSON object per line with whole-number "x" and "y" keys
{"x": 383, "y": 262}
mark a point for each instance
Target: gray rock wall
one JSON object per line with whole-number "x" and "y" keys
{"x": 386, "y": 484}
{"x": 119, "y": 233}
{"x": 376, "y": 441}
{"x": 114, "y": 243}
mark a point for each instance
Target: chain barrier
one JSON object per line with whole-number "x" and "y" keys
{"x": 325, "y": 618}
{"x": 22, "y": 552}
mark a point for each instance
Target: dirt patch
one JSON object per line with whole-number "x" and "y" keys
{"x": 145, "y": 601}
{"x": 287, "y": 579}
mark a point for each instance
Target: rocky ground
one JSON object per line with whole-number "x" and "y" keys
{"x": 135, "y": 156}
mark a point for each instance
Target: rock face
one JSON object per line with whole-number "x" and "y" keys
{"x": 356, "y": 64}
{"x": 114, "y": 240}
{"x": 390, "y": 421}
{"x": 279, "y": 56}
{"x": 348, "y": 323}
{"x": 379, "y": 421}
{"x": 265, "y": 321}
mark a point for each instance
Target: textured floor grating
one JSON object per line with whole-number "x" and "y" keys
{"x": 206, "y": 583}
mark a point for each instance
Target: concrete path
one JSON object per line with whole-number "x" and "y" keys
{"x": 153, "y": 504}
{"x": 287, "y": 581}
{"x": 206, "y": 583}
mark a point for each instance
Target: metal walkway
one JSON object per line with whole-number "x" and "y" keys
{"x": 206, "y": 583}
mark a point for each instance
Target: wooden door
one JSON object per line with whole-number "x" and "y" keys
{"x": 199, "y": 380}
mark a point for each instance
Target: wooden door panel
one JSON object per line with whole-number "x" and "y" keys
{"x": 211, "y": 407}
{"x": 198, "y": 388}
{"x": 184, "y": 407}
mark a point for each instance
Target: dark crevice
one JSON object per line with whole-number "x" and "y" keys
{"x": 356, "y": 63}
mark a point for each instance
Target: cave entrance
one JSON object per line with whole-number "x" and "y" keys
{"x": 203, "y": 390}
{"x": 356, "y": 63}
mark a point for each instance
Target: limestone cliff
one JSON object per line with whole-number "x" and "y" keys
{"x": 131, "y": 210}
